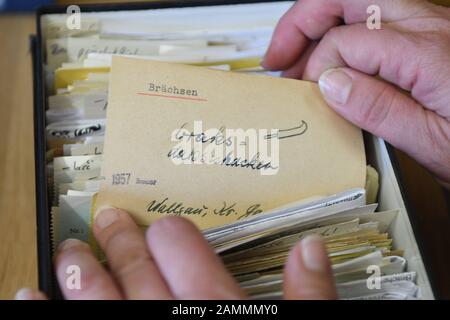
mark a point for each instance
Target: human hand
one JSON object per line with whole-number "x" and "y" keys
{"x": 409, "y": 53}
{"x": 173, "y": 261}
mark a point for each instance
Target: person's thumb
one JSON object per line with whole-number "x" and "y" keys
{"x": 307, "y": 273}
{"x": 387, "y": 112}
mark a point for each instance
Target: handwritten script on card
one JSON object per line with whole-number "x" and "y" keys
{"x": 217, "y": 146}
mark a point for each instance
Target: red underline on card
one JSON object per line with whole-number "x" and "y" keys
{"x": 171, "y": 97}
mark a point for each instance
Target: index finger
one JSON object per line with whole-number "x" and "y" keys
{"x": 310, "y": 19}
{"x": 75, "y": 258}
{"x": 129, "y": 259}
{"x": 190, "y": 267}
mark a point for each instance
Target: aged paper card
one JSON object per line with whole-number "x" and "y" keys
{"x": 217, "y": 146}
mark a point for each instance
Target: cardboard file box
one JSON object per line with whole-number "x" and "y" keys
{"x": 379, "y": 154}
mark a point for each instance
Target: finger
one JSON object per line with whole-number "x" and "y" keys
{"x": 381, "y": 109}
{"x": 307, "y": 274}
{"x": 369, "y": 51}
{"x": 296, "y": 71}
{"x": 129, "y": 259}
{"x": 402, "y": 59}
{"x": 80, "y": 275}
{"x": 287, "y": 43}
{"x": 187, "y": 262}
{"x": 29, "y": 294}
{"x": 311, "y": 19}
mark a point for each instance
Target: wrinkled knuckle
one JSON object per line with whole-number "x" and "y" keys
{"x": 124, "y": 247}
{"x": 134, "y": 262}
{"x": 374, "y": 113}
{"x": 116, "y": 238}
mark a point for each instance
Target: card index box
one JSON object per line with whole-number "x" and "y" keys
{"x": 380, "y": 155}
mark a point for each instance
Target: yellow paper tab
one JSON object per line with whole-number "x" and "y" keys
{"x": 157, "y": 111}
{"x": 65, "y": 77}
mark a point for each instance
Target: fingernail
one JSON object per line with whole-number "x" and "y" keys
{"x": 314, "y": 255}
{"x": 335, "y": 85}
{"x": 69, "y": 243}
{"x": 24, "y": 294}
{"x": 106, "y": 216}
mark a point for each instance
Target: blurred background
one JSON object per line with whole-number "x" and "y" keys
{"x": 18, "y": 267}
{"x": 30, "y": 5}
{"x": 22, "y": 5}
